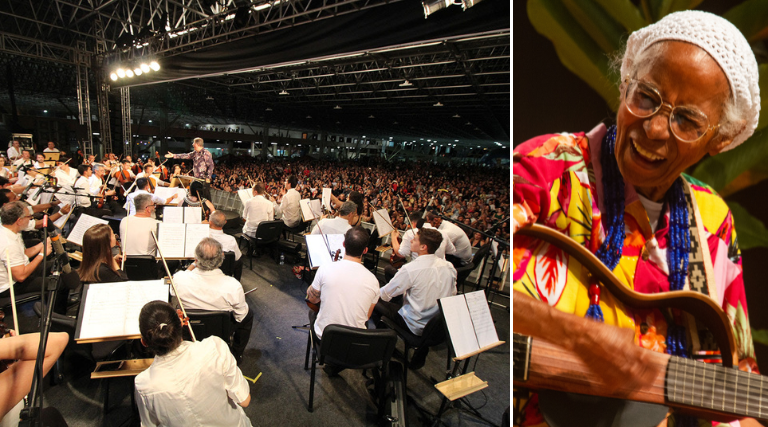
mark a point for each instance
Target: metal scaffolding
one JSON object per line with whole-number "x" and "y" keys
{"x": 125, "y": 104}
{"x": 83, "y": 97}
{"x": 102, "y": 92}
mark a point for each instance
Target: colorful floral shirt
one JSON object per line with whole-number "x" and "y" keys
{"x": 558, "y": 183}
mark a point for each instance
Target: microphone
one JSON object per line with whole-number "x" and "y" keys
{"x": 60, "y": 252}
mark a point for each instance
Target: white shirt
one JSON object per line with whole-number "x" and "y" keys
{"x": 130, "y": 206}
{"x": 197, "y": 384}
{"x": 50, "y": 150}
{"x": 347, "y": 291}
{"x": 228, "y": 243}
{"x": 13, "y": 152}
{"x": 211, "y": 290}
{"x": 15, "y": 245}
{"x": 155, "y": 180}
{"x": 290, "y": 209}
{"x": 332, "y": 226}
{"x": 257, "y": 210}
{"x": 423, "y": 281}
{"x": 81, "y": 187}
{"x": 95, "y": 184}
{"x": 139, "y": 241}
{"x": 446, "y": 246}
{"x": 65, "y": 178}
{"x": 459, "y": 239}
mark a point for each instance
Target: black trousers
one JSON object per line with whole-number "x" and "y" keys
{"x": 389, "y": 309}
{"x": 242, "y": 334}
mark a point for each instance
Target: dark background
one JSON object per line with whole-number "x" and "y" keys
{"x": 547, "y": 98}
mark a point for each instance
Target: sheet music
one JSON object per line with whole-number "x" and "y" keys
{"x": 306, "y": 210}
{"x": 317, "y": 251}
{"x": 245, "y": 195}
{"x": 481, "y": 318}
{"x": 67, "y": 199}
{"x": 327, "y": 198}
{"x": 166, "y": 193}
{"x": 317, "y": 208}
{"x": 59, "y": 223}
{"x": 193, "y": 215}
{"x": 459, "y": 323}
{"x": 173, "y": 215}
{"x": 194, "y": 234}
{"x": 170, "y": 237}
{"x": 382, "y": 221}
{"x": 83, "y": 224}
{"x": 46, "y": 198}
{"x": 112, "y": 309}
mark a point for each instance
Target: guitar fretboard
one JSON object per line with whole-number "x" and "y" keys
{"x": 715, "y": 387}
{"x": 521, "y": 356}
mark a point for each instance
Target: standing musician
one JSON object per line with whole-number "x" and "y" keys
{"x": 689, "y": 87}
{"x": 202, "y": 161}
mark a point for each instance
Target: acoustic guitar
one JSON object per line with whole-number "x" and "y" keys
{"x": 709, "y": 391}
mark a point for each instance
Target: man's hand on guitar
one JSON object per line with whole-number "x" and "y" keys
{"x": 609, "y": 350}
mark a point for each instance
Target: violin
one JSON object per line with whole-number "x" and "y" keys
{"x": 336, "y": 255}
{"x": 396, "y": 260}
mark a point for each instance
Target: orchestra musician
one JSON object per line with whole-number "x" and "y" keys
{"x": 684, "y": 93}
{"x": 51, "y": 148}
{"x": 65, "y": 175}
{"x": 86, "y": 193}
{"x": 257, "y": 210}
{"x": 14, "y": 152}
{"x": 194, "y": 198}
{"x": 149, "y": 173}
{"x": 142, "y": 187}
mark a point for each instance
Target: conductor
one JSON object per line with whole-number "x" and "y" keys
{"x": 202, "y": 161}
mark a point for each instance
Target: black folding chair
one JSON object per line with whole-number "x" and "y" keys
{"x": 267, "y": 234}
{"x": 141, "y": 267}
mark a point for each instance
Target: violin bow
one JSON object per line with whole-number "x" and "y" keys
{"x": 173, "y": 284}
{"x": 325, "y": 238}
{"x": 13, "y": 293}
{"x": 407, "y": 218}
{"x": 382, "y": 216}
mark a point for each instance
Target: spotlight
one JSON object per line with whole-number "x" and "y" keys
{"x": 283, "y": 92}
{"x": 434, "y": 6}
{"x": 144, "y": 67}
{"x": 154, "y": 65}
{"x": 137, "y": 71}
{"x": 129, "y": 73}
{"x": 437, "y": 104}
{"x": 466, "y": 4}
{"x": 405, "y": 84}
{"x": 113, "y": 76}
{"x": 337, "y": 108}
{"x": 120, "y": 73}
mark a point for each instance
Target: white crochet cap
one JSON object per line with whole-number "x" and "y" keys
{"x": 723, "y": 41}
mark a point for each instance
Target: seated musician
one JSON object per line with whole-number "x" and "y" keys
{"x": 143, "y": 187}
{"x": 139, "y": 241}
{"x": 684, "y": 94}
{"x": 65, "y": 175}
{"x": 148, "y": 173}
{"x": 40, "y": 161}
{"x": 358, "y": 199}
{"x": 51, "y": 148}
{"x": 195, "y": 198}
{"x": 91, "y": 183}
{"x": 289, "y": 209}
{"x": 403, "y": 248}
{"x": 14, "y": 152}
{"x": 24, "y": 160}
{"x": 5, "y": 172}
{"x": 217, "y": 221}
{"x": 347, "y": 290}
{"x": 339, "y": 225}
{"x": 421, "y": 282}
{"x": 125, "y": 175}
{"x": 205, "y": 287}
{"x": 164, "y": 392}
{"x": 256, "y": 210}
{"x": 99, "y": 265}
{"x": 458, "y": 237}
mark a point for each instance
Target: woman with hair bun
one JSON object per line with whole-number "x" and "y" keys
{"x": 189, "y": 383}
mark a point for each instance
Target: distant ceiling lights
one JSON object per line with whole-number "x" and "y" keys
{"x": 456, "y": 116}
{"x": 437, "y": 104}
{"x": 405, "y": 84}
{"x": 337, "y": 108}
{"x": 309, "y": 117}
{"x": 283, "y": 92}
{"x": 268, "y": 109}
{"x": 136, "y": 70}
{"x": 371, "y": 117}
{"x": 209, "y": 98}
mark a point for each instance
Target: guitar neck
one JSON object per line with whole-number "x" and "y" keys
{"x": 702, "y": 389}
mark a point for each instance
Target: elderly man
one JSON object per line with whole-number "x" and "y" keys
{"x": 339, "y": 225}
{"x": 25, "y": 263}
{"x": 689, "y": 88}
{"x": 205, "y": 287}
{"x": 202, "y": 161}
{"x": 422, "y": 282}
{"x": 141, "y": 224}
{"x": 257, "y": 210}
{"x": 217, "y": 221}
{"x": 14, "y": 152}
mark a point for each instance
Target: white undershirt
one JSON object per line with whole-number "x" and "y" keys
{"x": 653, "y": 209}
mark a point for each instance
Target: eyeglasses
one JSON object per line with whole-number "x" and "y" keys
{"x": 688, "y": 124}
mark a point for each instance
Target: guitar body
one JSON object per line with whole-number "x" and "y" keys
{"x": 571, "y": 393}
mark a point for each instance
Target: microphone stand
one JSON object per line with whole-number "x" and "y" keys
{"x": 30, "y": 415}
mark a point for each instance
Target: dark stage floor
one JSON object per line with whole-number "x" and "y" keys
{"x": 276, "y": 350}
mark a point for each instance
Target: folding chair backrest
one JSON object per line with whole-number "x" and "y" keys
{"x": 228, "y": 266}
{"x": 269, "y": 231}
{"x": 141, "y": 267}
{"x": 434, "y": 331}
{"x": 356, "y": 348}
{"x": 207, "y": 323}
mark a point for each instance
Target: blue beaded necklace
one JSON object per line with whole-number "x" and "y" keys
{"x": 610, "y": 251}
